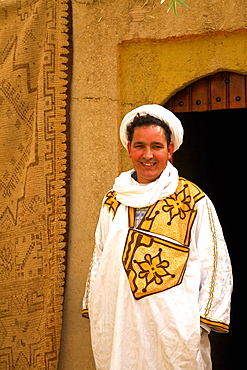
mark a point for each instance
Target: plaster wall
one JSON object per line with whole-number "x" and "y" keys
{"x": 105, "y": 86}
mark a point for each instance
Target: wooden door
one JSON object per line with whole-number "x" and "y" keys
{"x": 213, "y": 156}
{"x": 223, "y": 90}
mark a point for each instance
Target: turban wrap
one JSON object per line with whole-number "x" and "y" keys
{"x": 159, "y": 112}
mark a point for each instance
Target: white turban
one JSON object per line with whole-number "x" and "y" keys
{"x": 159, "y": 112}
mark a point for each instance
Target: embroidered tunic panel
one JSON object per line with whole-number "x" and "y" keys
{"x": 153, "y": 264}
{"x": 173, "y": 216}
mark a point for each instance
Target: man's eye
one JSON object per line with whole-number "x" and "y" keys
{"x": 157, "y": 147}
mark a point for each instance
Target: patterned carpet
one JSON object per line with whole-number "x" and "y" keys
{"x": 34, "y": 44}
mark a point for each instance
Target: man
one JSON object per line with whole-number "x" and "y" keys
{"x": 160, "y": 277}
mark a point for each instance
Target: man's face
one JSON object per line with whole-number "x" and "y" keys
{"x": 149, "y": 152}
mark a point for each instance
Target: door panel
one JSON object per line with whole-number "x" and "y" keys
{"x": 212, "y": 156}
{"x": 223, "y": 90}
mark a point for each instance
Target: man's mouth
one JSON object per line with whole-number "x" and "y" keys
{"x": 148, "y": 164}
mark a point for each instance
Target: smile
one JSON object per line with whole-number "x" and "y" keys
{"x": 148, "y": 164}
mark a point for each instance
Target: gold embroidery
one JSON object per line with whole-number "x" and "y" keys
{"x": 152, "y": 264}
{"x": 178, "y": 204}
{"x": 131, "y": 215}
{"x": 111, "y": 202}
{"x": 85, "y": 313}
{"x": 153, "y": 269}
{"x": 174, "y": 215}
{"x": 215, "y": 264}
{"x": 218, "y": 326}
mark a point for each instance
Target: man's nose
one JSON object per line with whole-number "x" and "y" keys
{"x": 147, "y": 154}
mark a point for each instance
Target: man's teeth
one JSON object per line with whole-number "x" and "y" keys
{"x": 148, "y": 164}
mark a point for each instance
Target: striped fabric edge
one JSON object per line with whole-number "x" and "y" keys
{"x": 218, "y": 326}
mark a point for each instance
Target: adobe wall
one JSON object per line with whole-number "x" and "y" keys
{"x": 128, "y": 53}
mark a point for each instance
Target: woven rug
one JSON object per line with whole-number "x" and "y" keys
{"x": 33, "y": 102}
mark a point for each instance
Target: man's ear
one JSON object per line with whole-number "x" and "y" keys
{"x": 170, "y": 150}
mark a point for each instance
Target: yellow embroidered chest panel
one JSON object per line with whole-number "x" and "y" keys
{"x": 154, "y": 264}
{"x": 173, "y": 216}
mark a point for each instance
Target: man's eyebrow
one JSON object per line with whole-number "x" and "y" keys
{"x": 157, "y": 143}
{"x": 152, "y": 143}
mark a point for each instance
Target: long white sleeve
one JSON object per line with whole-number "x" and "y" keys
{"x": 101, "y": 233}
{"x": 216, "y": 271}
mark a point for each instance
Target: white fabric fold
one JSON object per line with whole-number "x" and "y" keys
{"x": 132, "y": 194}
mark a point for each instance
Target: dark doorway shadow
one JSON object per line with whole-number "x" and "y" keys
{"x": 212, "y": 156}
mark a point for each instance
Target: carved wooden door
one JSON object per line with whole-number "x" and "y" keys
{"x": 223, "y": 90}
{"x": 213, "y": 156}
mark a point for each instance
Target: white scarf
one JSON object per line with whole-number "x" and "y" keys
{"x": 130, "y": 193}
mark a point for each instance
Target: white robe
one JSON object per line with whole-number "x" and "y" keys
{"x": 162, "y": 330}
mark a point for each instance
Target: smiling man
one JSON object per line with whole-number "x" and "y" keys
{"x": 160, "y": 277}
{"x": 149, "y": 147}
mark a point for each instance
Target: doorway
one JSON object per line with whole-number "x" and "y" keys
{"x": 212, "y": 156}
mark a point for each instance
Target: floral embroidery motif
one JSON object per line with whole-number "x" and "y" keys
{"x": 177, "y": 204}
{"x": 174, "y": 216}
{"x": 153, "y": 265}
{"x": 111, "y": 202}
{"x": 153, "y": 269}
